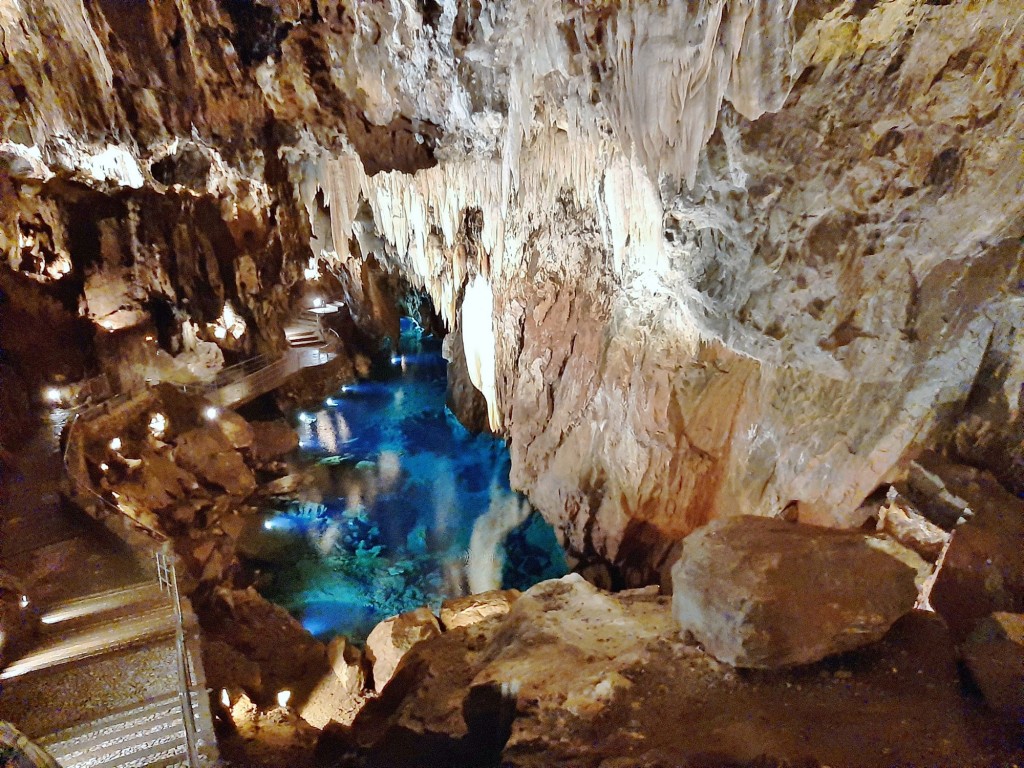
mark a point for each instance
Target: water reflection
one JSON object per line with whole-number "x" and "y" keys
{"x": 411, "y": 507}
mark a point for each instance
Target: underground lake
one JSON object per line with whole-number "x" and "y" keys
{"x": 408, "y": 507}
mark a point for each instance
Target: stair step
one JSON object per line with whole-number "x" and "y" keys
{"x": 93, "y": 641}
{"x": 102, "y": 606}
{"x": 146, "y": 736}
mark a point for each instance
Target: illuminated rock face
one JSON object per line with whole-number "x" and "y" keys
{"x": 737, "y": 257}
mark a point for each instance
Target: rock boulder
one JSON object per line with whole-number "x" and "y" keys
{"x": 994, "y": 654}
{"x": 464, "y": 611}
{"x": 392, "y": 638}
{"x": 761, "y": 592}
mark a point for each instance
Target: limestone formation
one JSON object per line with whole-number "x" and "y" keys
{"x": 767, "y": 593}
{"x": 390, "y": 640}
{"x": 715, "y": 257}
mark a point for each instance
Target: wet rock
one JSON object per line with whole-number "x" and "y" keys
{"x": 758, "y": 592}
{"x": 982, "y": 571}
{"x": 208, "y": 454}
{"x": 392, "y": 638}
{"x": 994, "y": 654}
{"x": 272, "y": 440}
{"x": 340, "y": 693}
{"x": 464, "y": 611}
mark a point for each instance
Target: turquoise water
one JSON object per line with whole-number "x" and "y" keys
{"x": 411, "y": 508}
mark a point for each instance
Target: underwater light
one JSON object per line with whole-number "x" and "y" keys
{"x": 211, "y": 412}
{"x": 268, "y": 525}
{"x": 283, "y": 697}
{"x": 306, "y": 418}
{"x": 331, "y": 402}
{"x": 52, "y": 395}
{"x": 24, "y": 601}
{"x": 115, "y": 444}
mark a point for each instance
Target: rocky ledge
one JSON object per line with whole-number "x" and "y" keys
{"x": 578, "y": 677}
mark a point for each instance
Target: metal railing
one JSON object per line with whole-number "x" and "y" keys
{"x": 167, "y": 577}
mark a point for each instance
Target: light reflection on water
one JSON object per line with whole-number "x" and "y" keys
{"x": 411, "y": 507}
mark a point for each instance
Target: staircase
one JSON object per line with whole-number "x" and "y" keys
{"x": 303, "y": 331}
{"x": 147, "y": 736}
{"x": 101, "y": 688}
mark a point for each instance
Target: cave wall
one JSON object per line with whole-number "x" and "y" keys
{"x": 718, "y": 258}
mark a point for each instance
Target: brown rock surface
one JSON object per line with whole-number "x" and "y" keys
{"x": 207, "y": 453}
{"x": 288, "y": 657}
{"x": 339, "y": 695}
{"x": 983, "y": 570}
{"x": 994, "y": 654}
{"x": 765, "y": 593}
{"x": 390, "y": 640}
{"x": 573, "y": 676}
{"x": 272, "y": 440}
{"x": 465, "y": 611}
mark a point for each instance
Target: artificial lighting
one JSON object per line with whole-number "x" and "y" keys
{"x": 52, "y": 395}
{"x": 115, "y": 444}
{"x": 306, "y": 418}
{"x": 312, "y": 270}
{"x": 220, "y": 332}
{"x": 104, "y": 466}
{"x": 24, "y": 601}
{"x": 149, "y": 337}
{"x": 224, "y": 698}
{"x": 158, "y": 425}
{"x": 331, "y": 402}
{"x": 283, "y": 697}
{"x": 267, "y": 525}
{"x": 318, "y": 302}
{"x": 211, "y": 412}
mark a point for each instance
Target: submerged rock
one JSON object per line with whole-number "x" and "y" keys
{"x": 994, "y": 654}
{"x": 759, "y": 592}
{"x": 392, "y": 638}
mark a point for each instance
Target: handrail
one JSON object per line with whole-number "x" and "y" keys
{"x": 168, "y": 578}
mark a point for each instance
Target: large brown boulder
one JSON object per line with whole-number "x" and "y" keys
{"x": 208, "y": 454}
{"x": 983, "y": 568}
{"x": 994, "y": 654}
{"x": 392, "y": 638}
{"x": 761, "y": 592}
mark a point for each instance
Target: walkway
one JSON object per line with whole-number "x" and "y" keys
{"x": 107, "y": 642}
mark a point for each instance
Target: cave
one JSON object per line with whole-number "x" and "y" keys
{"x": 513, "y": 384}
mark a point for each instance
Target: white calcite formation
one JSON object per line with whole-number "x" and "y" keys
{"x": 712, "y": 258}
